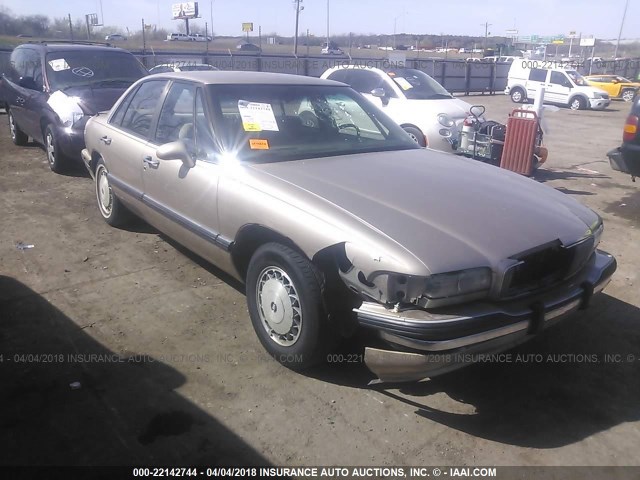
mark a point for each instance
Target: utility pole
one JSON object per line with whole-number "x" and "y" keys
{"x": 327, "y": 23}
{"x": 70, "y": 28}
{"x": 144, "y": 41}
{"x": 486, "y": 26}
{"x": 624, "y": 14}
{"x": 298, "y": 8}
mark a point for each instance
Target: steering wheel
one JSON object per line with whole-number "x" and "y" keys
{"x": 350, "y": 125}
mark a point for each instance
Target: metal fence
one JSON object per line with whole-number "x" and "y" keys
{"x": 457, "y": 76}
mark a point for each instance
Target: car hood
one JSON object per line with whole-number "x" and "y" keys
{"x": 449, "y": 212}
{"x": 95, "y": 99}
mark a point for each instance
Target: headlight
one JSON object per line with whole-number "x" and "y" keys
{"x": 445, "y": 120}
{"x": 598, "y": 95}
{"x": 453, "y": 284}
{"x": 596, "y": 231}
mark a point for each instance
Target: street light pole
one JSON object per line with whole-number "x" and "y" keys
{"x": 327, "y": 24}
{"x": 624, "y": 14}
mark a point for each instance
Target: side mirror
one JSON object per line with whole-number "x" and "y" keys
{"x": 28, "y": 82}
{"x": 176, "y": 151}
{"x": 381, "y": 94}
{"x": 615, "y": 81}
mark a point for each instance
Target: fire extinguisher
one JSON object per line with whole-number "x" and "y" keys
{"x": 467, "y": 132}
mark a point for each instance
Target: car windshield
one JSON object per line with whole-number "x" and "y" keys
{"x": 269, "y": 123}
{"x": 577, "y": 78}
{"x": 86, "y": 68}
{"x": 623, "y": 80}
{"x": 417, "y": 85}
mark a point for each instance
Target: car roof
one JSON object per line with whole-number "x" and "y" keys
{"x": 213, "y": 77}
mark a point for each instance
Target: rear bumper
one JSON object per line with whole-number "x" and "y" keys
{"x": 626, "y": 159}
{"x": 450, "y": 338}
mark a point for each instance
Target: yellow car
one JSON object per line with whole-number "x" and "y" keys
{"x": 615, "y": 85}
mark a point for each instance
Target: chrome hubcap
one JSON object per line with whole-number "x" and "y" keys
{"x": 279, "y": 306}
{"x": 627, "y": 96}
{"x": 575, "y": 105}
{"x": 51, "y": 151}
{"x": 103, "y": 191}
{"x": 517, "y": 96}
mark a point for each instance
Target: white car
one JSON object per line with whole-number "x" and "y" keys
{"x": 562, "y": 86}
{"x": 198, "y": 37}
{"x": 414, "y": 100}
{"x": 331, "y": 48}
{"x": 182, "y": 37}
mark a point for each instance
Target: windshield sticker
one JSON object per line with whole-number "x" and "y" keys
{"x": 59, "y": 64}
{"x": 258, "y": 144}
{"x": 257, "y": 116}
{"x": 82, "y": 72}
{"x": 404, "y": 84}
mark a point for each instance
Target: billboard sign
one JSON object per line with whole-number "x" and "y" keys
{"x": 184, "y": 10}
{"x": 247, "y": 27}
{"x": 588, "y": 42}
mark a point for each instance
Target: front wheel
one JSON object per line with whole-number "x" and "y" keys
{"x": 416, "y": 135}
{"x": 284, "y": 295}
{"x": 58, "y": 162}
{"x": 111, "y": 208}
{"x": 578, "y": 103}
{"x": 628, "y": 94}
{"x": 517, "y": 95}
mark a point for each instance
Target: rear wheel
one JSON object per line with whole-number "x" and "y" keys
{"x": 416, "y": 135}
{"x": 517, "y": 95}
{"x": 58, "y": 162}
{"x": 628, "y": 94}
{"x": 577, "y": 103}
{"x": 284, "y": 296}
{"x": 18, "y": 137}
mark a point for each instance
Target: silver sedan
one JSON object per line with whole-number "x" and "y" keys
{"x": 334, "y": 218}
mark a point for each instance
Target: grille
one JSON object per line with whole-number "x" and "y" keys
{"x": 545, "y": 267}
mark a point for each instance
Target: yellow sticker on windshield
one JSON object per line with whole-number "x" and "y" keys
{"x": 259, "y": 144}
{"x": 251, "y": 127}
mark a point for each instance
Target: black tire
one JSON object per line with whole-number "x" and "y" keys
{"x": 305, "y": 338}
{"x": 577, "y": 103}
{"x": 58, "y": 162}
{"x": 628, "y": 94}
{"x": 111, "y": 208}
{"x": 518, "y": 95}
{"x": 18, "y": 137}
{"x": 416, "y": 135}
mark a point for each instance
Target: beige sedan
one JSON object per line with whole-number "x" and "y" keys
{"x": 334, "y": 218}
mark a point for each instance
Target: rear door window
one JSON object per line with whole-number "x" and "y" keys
{"x": 140, "y": 112}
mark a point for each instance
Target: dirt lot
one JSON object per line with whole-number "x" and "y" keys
{"x": 171, "y": 372}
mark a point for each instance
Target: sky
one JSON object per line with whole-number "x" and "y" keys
{"x": 600, "y": 18}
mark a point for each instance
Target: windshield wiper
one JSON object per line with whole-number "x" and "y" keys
{"x": 103, "y": 83}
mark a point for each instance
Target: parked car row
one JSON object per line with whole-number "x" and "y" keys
{"x": 321, "y": 204}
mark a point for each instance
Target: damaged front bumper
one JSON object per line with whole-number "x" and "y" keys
{"x": 450, "y": 338}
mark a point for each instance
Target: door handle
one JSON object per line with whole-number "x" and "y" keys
{"x": 150, "y": 161}
{"x": 106, "y": 140}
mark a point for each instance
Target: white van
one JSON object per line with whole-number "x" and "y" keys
{"x": 562, "y": 86}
